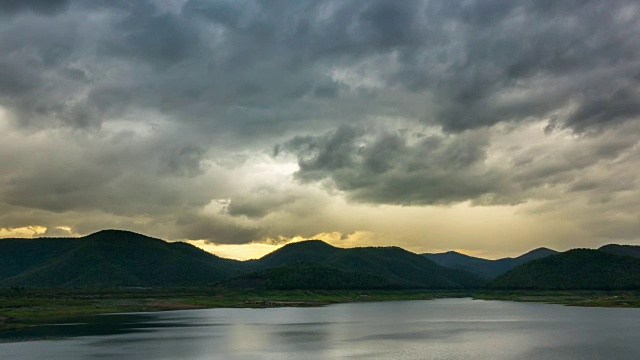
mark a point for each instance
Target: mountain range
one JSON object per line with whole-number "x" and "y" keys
{"x": 115, "y": 258}
{"x": 399, "y": 267}
{"x": 484, "y": 268}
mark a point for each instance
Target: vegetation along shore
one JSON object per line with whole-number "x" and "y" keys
{"x": 29, "y": 307}
{"x": 57, "y": 279}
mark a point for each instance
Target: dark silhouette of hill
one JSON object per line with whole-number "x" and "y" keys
{"x": 622, "y": 250}
{"x": 482, "y": 267}
{"x": 19, "y": 255}
{"x": 485, "y": 268}
{"x": 310, "y": 251}
{"x": 309, "y": 276}
{"x": 578, "y": 269}
{"x": 113, "y": 258}
{"x": 396, "y": 265}
{"x": 109, "y": 258}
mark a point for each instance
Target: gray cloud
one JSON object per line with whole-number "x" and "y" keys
{"x": 44, "y": 7}
{"x": 119, "y": 173}
{"x": 261, "y": 202}
{"x": 219, "y": 230}
{"x": 391, "y": 168}
{"x": 126, "y": 110}
{"x": 159, "y": 39}
{"x": 410, "y": 168}
{"x": 185, "y": 160}
{"x": 614, "y": 106}
{"x": 241, "y": 67}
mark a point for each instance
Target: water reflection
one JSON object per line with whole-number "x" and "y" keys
{"x": 440, "y": 329}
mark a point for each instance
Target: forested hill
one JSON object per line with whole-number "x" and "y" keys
{"x": 109, "y": 258}
{"x": 578, "y": 269}
{"x": 312, "y": 276}
{"x": 114, "y": 258}
{"x": 398, "y": 266}
{"x": 622, "y": 250}
{"x": 485, "y": 268}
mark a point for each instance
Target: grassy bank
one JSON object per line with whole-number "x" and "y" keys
{"x": 26, "y": 307}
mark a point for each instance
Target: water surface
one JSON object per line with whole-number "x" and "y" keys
{"x": 436, "y": 329}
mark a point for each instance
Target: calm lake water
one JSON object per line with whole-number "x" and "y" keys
{"x": 438, "y": 329}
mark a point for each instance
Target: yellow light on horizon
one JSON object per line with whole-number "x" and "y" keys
{"x": 237, "y": 252}
{"x": 23, "y": 232}
{"x": 257, "y": 250}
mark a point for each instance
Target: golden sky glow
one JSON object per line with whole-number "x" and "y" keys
{"x": 22, "y": 232}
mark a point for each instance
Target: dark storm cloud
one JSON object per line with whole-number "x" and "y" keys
{"x": 218, "y": 230}
{"x": 507, "y": 50}
{"x": 391, "y": 168}
{"x": 203, "y": 82}
{"x": 159, "y": 39}
{"x": 600, "y": 110}
{"x": 44, "y": 7}
{"x": 261, "y": 202}
{"x": 119, "y": 172}
{"x": 400, "y": 167}
{"x": 241, "y": 65}
{"x": 185, "y": 160}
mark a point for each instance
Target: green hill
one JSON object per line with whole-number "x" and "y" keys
{"x": 484, "y": 268}
{"x": 578, "y": 269}
{"x": 19, "y": 255}
{"x": 396, "y": 265}
{"x": 308, "y": 276}
{"x": 622, "y": 250}
{"x": 109, "y": 258}
{"x": 113, "y": 258}
{"x": 310, "y": 251}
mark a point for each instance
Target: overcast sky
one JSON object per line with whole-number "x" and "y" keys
{"x": 488, "y": 126}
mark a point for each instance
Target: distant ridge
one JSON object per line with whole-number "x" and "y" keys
{"x": 310, "y": 276}
{"x": 117, "y": 258}
{"x": 622, "y": 250}
{"x": 577, "y": 269}
{"x": 398, "y": 266}
{"x": 485, "y": 268}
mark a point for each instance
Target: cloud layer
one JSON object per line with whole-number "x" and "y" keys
{"x": 244, "y": 121}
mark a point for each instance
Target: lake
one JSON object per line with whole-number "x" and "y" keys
{"x": 436, "y": 329}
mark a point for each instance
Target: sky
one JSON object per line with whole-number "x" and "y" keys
{"x": 491, "y": 127}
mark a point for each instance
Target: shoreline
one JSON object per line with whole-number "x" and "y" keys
{"x": 33, "y": 307}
